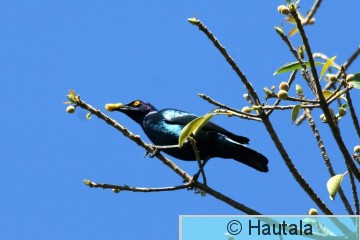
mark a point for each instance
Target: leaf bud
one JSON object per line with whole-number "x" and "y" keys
{"x": 342, "y": 111}
{"x": 283, "y": 9}
{"x": 246, "y": 109}
{"x": 357, "y": 149}
{"x": 194, "y": 21}
{"x": 116, "y": 190}
{"x": 323, "y": 118}
{"x": 350, "y": 77}
{"x": 70, "y": 109}
{"x": 282, "y": 94}
{"x": 299, "y": 89}
{"x": 332, "y": 78}
{"x": 279, "y": 30}
{"x": 284, "y": 86}
{"x": 313, "y": 211}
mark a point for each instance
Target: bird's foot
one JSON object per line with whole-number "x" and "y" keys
{"x": 153, "y": 153}
{"x": 192, "y": 187}
{"x": 193, "y": 179}
{"x": 156, "y": 151}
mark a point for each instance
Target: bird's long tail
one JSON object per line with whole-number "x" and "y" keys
{"x": 228, "y": 148}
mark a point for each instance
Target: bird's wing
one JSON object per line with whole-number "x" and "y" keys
{"x": 183, "y": 118}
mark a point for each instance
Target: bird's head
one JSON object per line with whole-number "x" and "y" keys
{"x": 136, "y": 110}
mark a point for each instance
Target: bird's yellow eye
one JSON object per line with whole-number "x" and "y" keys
{"x": 136, "y": 103}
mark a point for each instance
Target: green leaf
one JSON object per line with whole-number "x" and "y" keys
{"x": 293, "y": 32}
{"x": 356, "y": 81}
{"x": 197, "y": 124}
{"x": 194, "y": 127}
{"x": 333, "y": 185}
{"x": 72, "y": 96}
{"x": 327, "y": 93}
{"x": 326, "y": 66}
{"x": 295, "y": 112}
{"x": 293, "y": 66}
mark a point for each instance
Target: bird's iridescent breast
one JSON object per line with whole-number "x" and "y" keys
{"x": 159, "y": 131}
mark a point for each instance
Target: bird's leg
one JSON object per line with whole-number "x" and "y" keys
{"x": 156, "y": 151}
{"x": 201, "y": 170}
{"x": 196, "y": 176}
{"x": 198, "y": 159}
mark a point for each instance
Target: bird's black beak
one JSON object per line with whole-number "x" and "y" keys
{"x": 116, "y": 107}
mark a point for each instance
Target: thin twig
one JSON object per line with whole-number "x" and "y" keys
{"x": 300, "y": 119}
{"x": 353, "y": 114}
{"x": 267, "y": 107}
{"x": 306, "y": 75}
{"x": 352, "y": 58}
{"x": 234, "y": 111}
{"x": 137, "y": 189}
{"x": 311, "y": 13}
{"x": 166, "y": 146}
{"x": 225, "y": 199}
{"x": 335, "y": 94}
{"x": 354, "y": 192}
{"x": 230, "y": 60}
{"x": 294, "y": 99}
{"x": 195, "y": 184}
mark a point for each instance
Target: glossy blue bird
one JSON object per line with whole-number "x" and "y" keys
{"x": 163, "y": 128}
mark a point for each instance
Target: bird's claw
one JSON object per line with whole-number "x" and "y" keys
{"x": 156, "y": 151}
{"x": 192, "y": 181}
{"x": 153, "y": 153}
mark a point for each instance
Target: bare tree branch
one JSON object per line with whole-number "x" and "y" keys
{"x": 136, "y": 189}
{"x": 324, "y": 106}
{"x": 233, "y": 111}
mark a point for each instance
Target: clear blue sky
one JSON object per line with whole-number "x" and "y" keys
{"x": 118, "y": 51}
